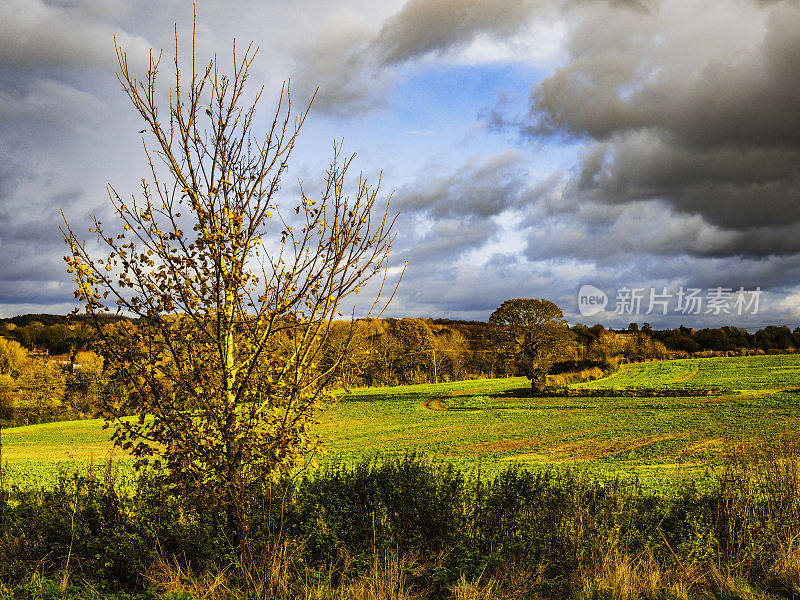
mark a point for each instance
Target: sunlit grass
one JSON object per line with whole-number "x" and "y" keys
{"x": 485, "y": 425}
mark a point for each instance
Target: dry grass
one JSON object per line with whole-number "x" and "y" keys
{"x": 787, "y": 566}
{"x": 624, "y": 577}
{"x": 582, "y": 376}
{"x": 475, "y": 590}
{"x": 386, "y": 580}
{"x": 278, "y": 578}
{"x": 172, "y": 578}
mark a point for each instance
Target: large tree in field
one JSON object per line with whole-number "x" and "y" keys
{"x": 233, "y": 293}
{"x": 533, "y": 332}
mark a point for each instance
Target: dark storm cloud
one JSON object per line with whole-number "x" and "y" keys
{"x": 350, "y": 80}
{"x": 696, "y": 108}
{"x": 565, "y": 238}
{"x": 16, "y": 292}
{"x": 687, "y": 111}
{"x": 31, "y": 246}
{"x": 604, "y": 234}
{"x": 448, "y": 239}
{"x": 690, "y": 167}
{"x": 355, "y": 64}
{"x": 694, "y": 80}
{"x": 425, "y": 26}
{"x": 733, "y": 186}
{"x": 776, "y": 273}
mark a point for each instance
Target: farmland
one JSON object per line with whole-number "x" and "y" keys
{"x": 743, "y": 373}
{"x": 485, "y": 425}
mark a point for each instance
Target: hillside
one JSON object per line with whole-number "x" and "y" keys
{"x": 485, "y": 425}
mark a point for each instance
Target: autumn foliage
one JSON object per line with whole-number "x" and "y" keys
{"x": 533, "y": 332}
{"x": 233, "y": 291}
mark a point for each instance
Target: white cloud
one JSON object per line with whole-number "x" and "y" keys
{"x": 789, "y": 305}
{"x": 33, "y": 33}
{"x": 53, "y": 104}
{"x": 540, "y": 44}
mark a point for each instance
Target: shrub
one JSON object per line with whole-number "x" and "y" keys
{"x": 440, "y": 530}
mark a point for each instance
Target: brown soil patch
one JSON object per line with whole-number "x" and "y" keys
{"x": 434, "y": 404}
{"x": 514, "y": 445}
{"x": 673, "y": 465}
{"x": 702, "y": 445}
{"x": 712, "y": 399}
{"x": 502, "y": 446}
{"x": 588, "y": 449}
{"x": 686, "y": 376}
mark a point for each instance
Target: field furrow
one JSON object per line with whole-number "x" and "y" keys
{"x": 485, "y": 424}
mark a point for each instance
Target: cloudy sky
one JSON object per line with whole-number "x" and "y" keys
{"x": 533, "y": 147}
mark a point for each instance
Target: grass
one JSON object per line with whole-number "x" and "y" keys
{"x": 742, "y": 373}
{"x": 485, "y": 425}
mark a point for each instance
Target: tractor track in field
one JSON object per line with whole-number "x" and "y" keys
{"x": 686, "y": 376}
{"x": 436, "y": 403}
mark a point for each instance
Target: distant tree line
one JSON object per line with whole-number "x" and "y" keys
{"x": 725, "y": 339}
{"x": 405, "y": 351}
{"x": 409, "y": 351}
{"x": 50, "y": 334}
{"x": 39, "y": 389}
{"x": 645, "y": 342}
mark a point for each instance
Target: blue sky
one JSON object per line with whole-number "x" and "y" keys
{"x": 533, "y": 147}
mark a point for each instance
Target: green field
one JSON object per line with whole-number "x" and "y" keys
{"x": 486, "y": 425}
{"x": 739, "y": 374}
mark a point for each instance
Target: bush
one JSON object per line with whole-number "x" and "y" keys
{"x": 557, "y": 527}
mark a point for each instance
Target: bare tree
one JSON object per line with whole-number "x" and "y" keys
{"x": 234, "y": 297}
